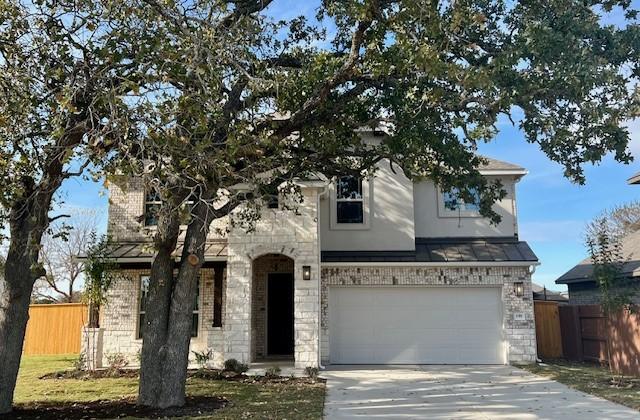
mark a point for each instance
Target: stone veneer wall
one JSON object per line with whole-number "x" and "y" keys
{"x": 520, "y": 334}
{"x": 295, "y": 235}
{"x": 262, "y": 266}
{"x": 119, "y": 318}
{"x": 126, "y": 213}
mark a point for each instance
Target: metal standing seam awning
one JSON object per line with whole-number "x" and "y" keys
{"x": 134, "y": 252}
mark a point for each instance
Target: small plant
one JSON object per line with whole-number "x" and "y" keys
{"x": 232, "y": 365}
{"x": 81, "y": 362}
{"x": 116, "y": 361}
{"x": 139, "y": 356}
{"x": 202, "y": 358}
{"x": 312, "y": 372}
{"x": 272, "y": 372}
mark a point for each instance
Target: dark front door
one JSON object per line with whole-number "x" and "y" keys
{"x": 280, "y": 314}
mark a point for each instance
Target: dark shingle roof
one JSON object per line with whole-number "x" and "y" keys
{"x": 445, "y": 250}
{"x": 631, "y": 254}
{"x": 499, "y": 165}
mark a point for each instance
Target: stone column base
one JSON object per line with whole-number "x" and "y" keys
{"x": 91, "y": 347}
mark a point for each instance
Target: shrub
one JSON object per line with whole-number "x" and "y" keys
{"x": 232, "y": 365}
{"x": 116, "y": 361}
{"x": 273, "y": 372}
{"x": 81, "y": 362}
{"x": 202, "y": 358}
{"x": 312, "y": 372}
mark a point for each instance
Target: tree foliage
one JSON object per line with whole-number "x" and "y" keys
{"x": 604, "y": 242}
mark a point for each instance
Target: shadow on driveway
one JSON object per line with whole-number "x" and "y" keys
{"x": 458, "y": 392}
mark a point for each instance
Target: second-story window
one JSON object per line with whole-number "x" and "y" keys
{"x": 152, "y": 205}
{"x": 453, "y": 202}
{"x": 349, "y": 200}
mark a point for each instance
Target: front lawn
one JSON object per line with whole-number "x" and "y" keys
{"x": 592, "y": 379}
{"x": 245, "y": 399}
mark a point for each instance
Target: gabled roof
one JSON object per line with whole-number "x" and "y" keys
{"x": 444, "y": 250}
{"x": 500, "y": 167}
{"x": 584, "y": 270}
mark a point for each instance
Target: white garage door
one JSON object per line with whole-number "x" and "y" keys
{"x": 415, "y": 325}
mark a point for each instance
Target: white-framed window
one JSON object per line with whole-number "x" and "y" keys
{"x": 451, "y": 205}
{"x": 349, "y": 200}
{"x": 142, "y": 307}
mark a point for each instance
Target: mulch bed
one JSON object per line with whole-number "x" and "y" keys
{"x": 207, "y": 374}
{"x": 113, "y": 409}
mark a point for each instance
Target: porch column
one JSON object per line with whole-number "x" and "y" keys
{"x": 237, "y": 322}
{"x": 306, "y": 311}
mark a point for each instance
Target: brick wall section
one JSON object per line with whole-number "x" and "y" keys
{"x": 119, "y": 318}
{"x": 126, "y": 213}
{"x": 262, "y": 266}
{"x": 520, "y": 335}
{"x": 293, "y": 234}
{"x": 590, "y": 294}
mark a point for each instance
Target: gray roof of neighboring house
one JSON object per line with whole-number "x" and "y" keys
{"x": 541, "y": 293}
{"x": 631, "y": 253}
{"x": 446, "y": 250}
{"x": 635, "y": 179}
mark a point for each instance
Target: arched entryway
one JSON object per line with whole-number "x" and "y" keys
{"x": 272, "y": 297}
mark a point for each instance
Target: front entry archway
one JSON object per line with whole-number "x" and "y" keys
{"x": 272, "y": 308}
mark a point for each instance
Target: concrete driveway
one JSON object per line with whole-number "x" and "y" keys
{"x": 458, "y": 392}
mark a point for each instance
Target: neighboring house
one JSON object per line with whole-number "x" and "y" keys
{"x": 542, "y": 293}
{"x": 367, "y": 271}
{"x": 583, "y": 289}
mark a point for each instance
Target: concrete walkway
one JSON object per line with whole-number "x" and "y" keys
{"x": 458, "y": 392}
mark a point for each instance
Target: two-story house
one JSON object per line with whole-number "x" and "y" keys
{"x": 366, "y": 271}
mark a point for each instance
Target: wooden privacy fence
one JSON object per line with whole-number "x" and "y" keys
{"x": 588, "y": 335}
{"x": 548, "y": 335}
{"x": 55, "y": 329}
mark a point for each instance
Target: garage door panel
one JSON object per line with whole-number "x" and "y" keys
{"x": 415, "y": 325}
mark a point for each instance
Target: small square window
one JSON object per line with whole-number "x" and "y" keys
{"x": 454, "y": 203}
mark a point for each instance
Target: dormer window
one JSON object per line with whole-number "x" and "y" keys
{"x": 152, "y": 205}
{"x": 349, "y": 200}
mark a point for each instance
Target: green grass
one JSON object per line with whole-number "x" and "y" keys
{"x": 592, "y": 379}
{"x": 247, "y": 400}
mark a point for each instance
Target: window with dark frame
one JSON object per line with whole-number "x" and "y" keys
{"x": 144, "y": 291}
{"x": 152, "y": 205}
{"x": 349, "y": 200}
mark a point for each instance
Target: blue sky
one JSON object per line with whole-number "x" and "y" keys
{"x": 552, "y": 212}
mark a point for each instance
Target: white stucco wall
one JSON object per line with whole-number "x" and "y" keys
{"x": 390, "y": 225}
{"x": 432, "y": 222}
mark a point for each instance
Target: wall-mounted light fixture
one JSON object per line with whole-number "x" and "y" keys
{"x": 306, "y": 272}
{"x": 518, "y": 287}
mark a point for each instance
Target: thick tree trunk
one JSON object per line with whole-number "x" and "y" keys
{"x": 20, "y": 274}
{"x": 14, "y": 313}
{"x": 166, "y": 338}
